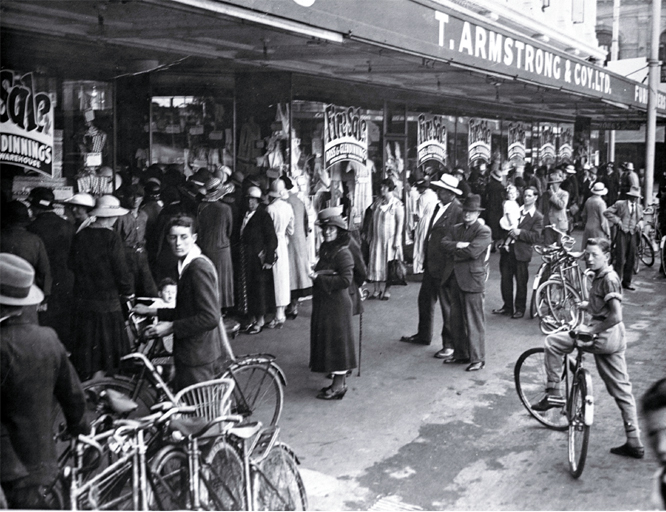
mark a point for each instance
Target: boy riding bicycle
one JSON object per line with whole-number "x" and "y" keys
{"x": 605, "y": 307}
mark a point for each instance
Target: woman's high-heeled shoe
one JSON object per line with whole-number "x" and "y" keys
{"x": 330, "y": 394}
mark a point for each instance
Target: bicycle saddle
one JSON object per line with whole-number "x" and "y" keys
{"x": 118, "y": 402}
{"x": 246, "y": 430}
{"x": 189, "y": 426}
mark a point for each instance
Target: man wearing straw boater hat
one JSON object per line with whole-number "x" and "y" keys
{"x": 627, "y": 216}
{"x": 437, "y": 267}
{"x": 35, "y": 369}
{"x": 467, "y": 244}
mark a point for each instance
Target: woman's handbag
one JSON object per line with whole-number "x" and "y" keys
{"x": 396, "y": 273}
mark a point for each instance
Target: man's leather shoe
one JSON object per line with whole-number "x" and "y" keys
{"x": 501, "y": 311}
{"x": 518, "y": 314}
{"x": 547, "y": 402}
{"x": 475, "y": 367}
{"x": 635, "y": 452}
{"x": 415, "y": 339}
{"x": 455, "y": 360}
{"x": 628, "y": 287}
{"x": 445, "y": 353}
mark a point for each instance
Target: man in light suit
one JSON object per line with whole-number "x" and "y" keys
{"x": 555, "y": 203}
{"x": 437, "y": 268}
{"x": 467, "y": 245}
{"x": 627, "y": 215}
{"x": 515, "y": 258}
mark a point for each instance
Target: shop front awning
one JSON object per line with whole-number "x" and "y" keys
{"x": 422, "y": 53}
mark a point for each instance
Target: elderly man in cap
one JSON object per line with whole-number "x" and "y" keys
{"x": 554, "y": 205}
{"x": 467, "y": 244}
{"x": 35, "y": 372}
{"x": 438, "y": 268}
{"x": 627, "y": 216}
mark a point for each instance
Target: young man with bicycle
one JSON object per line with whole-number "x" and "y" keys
{"x": 605, "y": 307}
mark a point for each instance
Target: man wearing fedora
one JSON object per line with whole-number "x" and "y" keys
{"x": 35, "y": 369}
{"x": 554, "y": 205}
{"x": 627, "y": 216}
{"x": 467, "y": 245}
{"x": 437, "y": 267}
{"x": 628, "y": 180}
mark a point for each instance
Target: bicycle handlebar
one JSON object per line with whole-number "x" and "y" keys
{"x": 151, "y": 368}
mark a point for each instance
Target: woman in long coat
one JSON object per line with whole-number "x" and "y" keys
{"x": 425, "y": 206}
{"x": 101, "y": 277}
{"x": 385, "y": 237}
{"x": 215, "y": 226}
{"x": 596, "y": 225}
{"x": 282, "y": 215}
{"x": 331, "y": 334}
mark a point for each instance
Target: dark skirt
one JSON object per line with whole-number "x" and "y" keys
{"x": 331, "y": 332}
{"x": 99, "y": 341}
{"x": 221, "y": 259}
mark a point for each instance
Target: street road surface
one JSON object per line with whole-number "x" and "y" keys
{"x": 412, "y": 433}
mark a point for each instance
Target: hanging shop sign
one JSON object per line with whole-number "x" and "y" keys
{"x": 480, "y": 138}
{"x": 547, "y": 138}
{"x": 345, "y": 135}
{"x": 516, "y": 144}
{"x": 26, "y": 123}
{"x": 565, "y": 144}
{"x": 443, "y": 34}
{"x": 431, "y": 139}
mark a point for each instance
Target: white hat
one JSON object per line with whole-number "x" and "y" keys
{"x": 278, "y": 189}
{"x": 17, "y": 282}
{"x": 81, "y": 199}
{"x": 108, "y": 206}
{"x": 599, "y": 189}
{"x": 570, "y": 169}
{"x": 447, "y": 182}
{"x": 254, "y": 192}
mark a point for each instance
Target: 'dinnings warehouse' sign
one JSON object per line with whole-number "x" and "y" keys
{"x": 26, "y": 123}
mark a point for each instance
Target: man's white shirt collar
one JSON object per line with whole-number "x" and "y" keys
{"x": 194, "y": 253}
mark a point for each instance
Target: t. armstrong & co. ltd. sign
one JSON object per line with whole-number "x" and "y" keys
{"x": 345, "y": 135}
{"x": 431, "y": 139}
{"x": 26, "y": 123}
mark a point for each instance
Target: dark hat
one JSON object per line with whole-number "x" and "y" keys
{"x": 555, "y": 177}
{"x": 331, "y": 217}
{"x": 288, "y": 184}
{"x": 16, "y": 213}
{"x": 17, "y": 282}
{"x": 41, "y": 197}
{"x": 201, "y": 177}
{"x": 497, "y": 174}
{"x": 473, "y": 203}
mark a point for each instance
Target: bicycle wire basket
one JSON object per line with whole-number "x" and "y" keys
{"x": 211, "y": 399}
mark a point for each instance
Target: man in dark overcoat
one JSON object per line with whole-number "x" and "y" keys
{"x": 515, "y": 257}
{"x": 437, "y": 267}
{"x": 35, "y": 372}
{"x": 198, "y": 347}
{"x": 468, "y": 245}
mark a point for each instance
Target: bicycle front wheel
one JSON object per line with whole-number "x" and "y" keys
{"x": 530, "y": 378}
{"x": 277, "y": 483}
{"x": 223, "y": 477}
{"x": 169, "y": 480}
{"x": 257, "y": 392}
{"x": 579, "y": 423}
{"x": 647, "y": 251}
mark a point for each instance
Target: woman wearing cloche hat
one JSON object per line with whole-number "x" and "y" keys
{"x": 101, "y": 277}
{"x": 596, "y": 225}
{"x": 331, "y": 334}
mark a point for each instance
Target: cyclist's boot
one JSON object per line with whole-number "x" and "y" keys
{"x": 548, "y": 402}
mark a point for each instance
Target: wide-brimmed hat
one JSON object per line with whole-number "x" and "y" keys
{"x": 634, "y": 192}
{"x": 472, "y": 203}
{"x": 570, "y": 169}
{"x": 555, "y": 177}
{"x": 214, "y": 189}
{"x": 237, "y": 177}
{"x": 447, "y": 182}
{"x": 81, "y": 199}
{"x": 599, "y": 189}
{"x": 201, "y": 177}
{"x": 278, "y": 189}
{"x": 17, "y": 278}
{"x": 628, "y": 166}
{"x": 41, "y": 197}
{"x": 108, "y": 206}
{"x": 253, "y": 192}
{"x": 497, "y": 174}
{"x": 331, "y": 217}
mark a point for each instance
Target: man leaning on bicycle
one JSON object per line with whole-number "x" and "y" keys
{"x": 605, "y": 308}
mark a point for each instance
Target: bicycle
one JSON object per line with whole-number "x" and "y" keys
{"x": 574, "y": 411}
{"x": 557, "y": 299}
{"x": 644, "y": 247}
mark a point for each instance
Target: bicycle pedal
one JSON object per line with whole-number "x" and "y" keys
{"x": 557, "y": 401}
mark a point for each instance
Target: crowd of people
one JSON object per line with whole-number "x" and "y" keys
{"x": 227, "y": 245}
